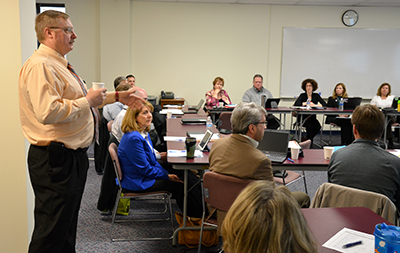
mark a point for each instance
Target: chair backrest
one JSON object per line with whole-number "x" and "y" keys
{"x": 222, "y": 189}
{"x": 225, "y": 121}
{"x": 334, "y": 195}
{"x": 113, "y": 149}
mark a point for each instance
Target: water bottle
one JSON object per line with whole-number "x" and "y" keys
{"x": 209, "y": 123}
{"x": 308, "y": 104}
{"x": 263, "y": 100}
{"x": 398, "y": 104}
{"x": 341, "y": 104}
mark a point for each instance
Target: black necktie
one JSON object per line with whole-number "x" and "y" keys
{"x": 95, "y": 111}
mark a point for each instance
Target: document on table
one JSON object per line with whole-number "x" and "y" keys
{"x": 173, "y": 111}
{"x": 346, "y": 236}
{"x": 395, "y": 152}
{"x": 174, "y": 138}
{"x": 182, "y": 153}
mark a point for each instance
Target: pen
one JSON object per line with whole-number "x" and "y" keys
{"x": 290, "y": 160}
{"x": 352, "y": 244}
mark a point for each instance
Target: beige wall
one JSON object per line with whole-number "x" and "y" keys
{"x": 13, "y": 233}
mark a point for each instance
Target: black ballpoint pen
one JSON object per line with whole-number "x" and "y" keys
{"x": 348, "y": 245}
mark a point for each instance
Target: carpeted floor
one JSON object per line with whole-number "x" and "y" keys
{"x": 93, "y": 227}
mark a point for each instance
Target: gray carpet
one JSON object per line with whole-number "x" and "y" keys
{"x": 93, "y": 227}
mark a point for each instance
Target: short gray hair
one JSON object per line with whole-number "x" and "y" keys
{"x": 245, "y": 114}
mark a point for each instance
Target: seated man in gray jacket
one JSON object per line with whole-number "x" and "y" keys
{"x": 364, "y": 164}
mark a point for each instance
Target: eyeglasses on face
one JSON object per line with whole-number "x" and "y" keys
{"x": 263, "y": 122}
{"x": 67, "y": 30}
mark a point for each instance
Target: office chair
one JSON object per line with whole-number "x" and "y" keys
{"x": 113, "y": 149}
{"x": 224, "y": 123}
{"x": 220, "y": 191}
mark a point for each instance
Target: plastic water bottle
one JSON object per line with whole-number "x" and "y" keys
{"x": 341, "y": 104}
{"x": 398, "y": 104}
{"x": 308, "y": 104}
{"x": 209, "y": 123}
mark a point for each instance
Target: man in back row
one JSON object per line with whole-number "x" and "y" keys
{"x": 238, "y": 155}
{"x": 59, "y": 118}
{"x": 255, "y": 93}
{"x": 364, "y": 164}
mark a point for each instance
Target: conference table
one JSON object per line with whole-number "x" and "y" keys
{"x": 313, "y": 160}
{"x": 302, "y": 112}
{"x": 213, "y": 110}
{"x": 175, "y": 128}
{"x": 326, "y": 222}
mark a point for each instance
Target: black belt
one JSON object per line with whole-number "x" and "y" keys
{"x": 80, "y": 150}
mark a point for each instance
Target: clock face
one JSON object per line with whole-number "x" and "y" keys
{"x": 350, "y": 18}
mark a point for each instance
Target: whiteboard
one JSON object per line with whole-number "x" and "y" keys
{"x": 362, "y": 59}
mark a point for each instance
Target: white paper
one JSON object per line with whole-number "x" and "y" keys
{"x": 395, "y": 152}
{"x": 346, "y": 236}
{"x": 174, "y": 111}
{"x": 293, "y": 144}
{"x": 174, "y": 138}
{"x": 182, "y": 153}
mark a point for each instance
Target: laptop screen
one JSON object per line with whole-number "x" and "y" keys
{"x": 351, "y": 103}
{"x": 200, "y": 104}
{"x": 274, "y": 141}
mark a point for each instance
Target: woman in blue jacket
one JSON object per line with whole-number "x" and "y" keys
{"x": 141, "y": 172}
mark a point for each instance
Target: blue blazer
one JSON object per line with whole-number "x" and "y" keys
{"x": 139, "y": 165}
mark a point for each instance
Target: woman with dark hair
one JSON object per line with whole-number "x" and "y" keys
{"x": 311, "y": 123}
{"x": 346, "y": 128}
{"x": 217, "y": 94}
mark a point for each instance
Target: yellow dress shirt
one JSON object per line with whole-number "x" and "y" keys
{"x": 52, "y": 104}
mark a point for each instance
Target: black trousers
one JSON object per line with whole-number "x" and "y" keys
{"x": 312, "y": 126}
{"x": 58, "y": 176}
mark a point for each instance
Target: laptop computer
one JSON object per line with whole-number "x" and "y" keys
{"x": 395, "y": 101}
{"x": 193, "y": 121}
{"x": 272, "y": 102}
{"x": 351, "y": 103}
{"x": 275, "y": 145}
{"x": 194, "y": 110}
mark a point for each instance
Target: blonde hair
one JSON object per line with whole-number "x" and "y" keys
{"x": 266, "y": 219}
{"x": 344, "y": 94}
{"x": 129, "y": 123}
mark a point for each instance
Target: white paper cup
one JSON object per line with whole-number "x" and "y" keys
{"x": 294, "y": 152}
{"x": 169, "y": 115}
{"x": 328, "y": 152}
{"x": 97, "y": 85}
{"x": 221, "y": 104}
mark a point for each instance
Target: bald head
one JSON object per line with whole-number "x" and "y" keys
{"x": 141, "y": 93}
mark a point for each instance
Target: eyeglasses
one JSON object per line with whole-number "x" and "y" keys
{"x": 68, "y": 30}
{"x": 264, "y": 122}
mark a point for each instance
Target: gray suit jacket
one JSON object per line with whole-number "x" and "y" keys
{"x": 365, "y": 165}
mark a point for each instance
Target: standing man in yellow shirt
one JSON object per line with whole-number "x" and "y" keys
{"x": 58, "y": 117}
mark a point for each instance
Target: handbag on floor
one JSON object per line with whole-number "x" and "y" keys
{"x": 191, "y": 238}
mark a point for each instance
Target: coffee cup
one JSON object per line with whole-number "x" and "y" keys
{"x": 169, "y": 114}
{"x": 97, "y": 85}
{"x": 190, "y": 144}
{"x": 328, "y": 151}
{"x": 221, "y": 104}
{"x": 294, "y": 152}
